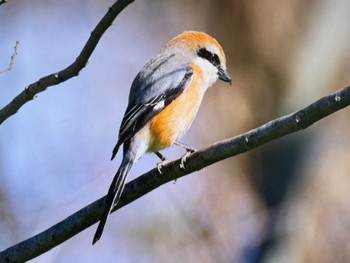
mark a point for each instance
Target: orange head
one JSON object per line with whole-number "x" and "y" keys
{"x": 204, "y": 51}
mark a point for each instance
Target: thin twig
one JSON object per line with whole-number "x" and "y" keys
{"x": 149, "y": 181}
{"x": 12, "y": 61}
{"x": 72, "y": 70}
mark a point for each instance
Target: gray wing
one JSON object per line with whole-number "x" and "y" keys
{"x": 154, "y": 88}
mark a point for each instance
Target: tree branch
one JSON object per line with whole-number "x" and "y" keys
{"x": 69, "y": 72}
{"x": 3, "y": 2}
{"x": 12, "y": 61}
{"x": 149, "y": 181}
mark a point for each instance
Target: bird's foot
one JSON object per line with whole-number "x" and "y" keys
{"x": 161, "y": 165}
{"x": 184, "y": 159}
{"x": 189, "y": 151}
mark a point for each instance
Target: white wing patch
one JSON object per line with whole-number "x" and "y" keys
{"x": 159, "y": 105}
{"x": 131, "y": 117}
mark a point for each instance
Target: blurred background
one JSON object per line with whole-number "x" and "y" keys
{"x": 284, "y": 202}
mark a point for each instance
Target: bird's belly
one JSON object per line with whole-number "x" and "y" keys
{"x": 172, "y": 122}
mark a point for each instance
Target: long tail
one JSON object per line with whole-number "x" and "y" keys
{"x": 114, "y": 193}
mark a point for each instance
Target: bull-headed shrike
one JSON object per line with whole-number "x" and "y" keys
{"x": 163, "y": 102}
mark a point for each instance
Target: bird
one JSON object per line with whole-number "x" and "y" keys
{"x": 163, "y": 101}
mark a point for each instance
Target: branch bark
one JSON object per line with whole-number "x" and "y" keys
{"x": 72, "y": 70}
{"x": 149, "y": 181}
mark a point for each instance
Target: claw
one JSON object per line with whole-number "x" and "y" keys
{"x": 161, "y": 164}
{"x": 189, "y": 151}
{"x": 184, "y": 159}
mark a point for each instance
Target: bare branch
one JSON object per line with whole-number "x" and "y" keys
{"x": 149, "y": 181}
{"x": 3, "y": 1}
{"x": 12, "y": 61}
{"x": 69, "y": 72}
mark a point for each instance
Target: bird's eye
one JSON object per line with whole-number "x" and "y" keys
{"x": 211, "y": 57}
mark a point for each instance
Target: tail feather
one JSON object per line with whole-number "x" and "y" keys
{"x": 112, "y": 198}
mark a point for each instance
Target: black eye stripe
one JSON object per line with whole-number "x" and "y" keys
{"x": 212, "y": 58}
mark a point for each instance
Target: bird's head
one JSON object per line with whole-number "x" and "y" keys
{"x": 205, "y": 52}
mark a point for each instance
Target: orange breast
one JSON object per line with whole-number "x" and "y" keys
{"x": 171, "y": 123}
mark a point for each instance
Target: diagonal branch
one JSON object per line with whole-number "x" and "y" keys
{"x": 149, "y": 181}
{"x": 69, "y": 72}
{"x": 12, "y": 61}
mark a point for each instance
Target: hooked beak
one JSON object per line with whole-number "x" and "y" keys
{"x": 224, "y": 75}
